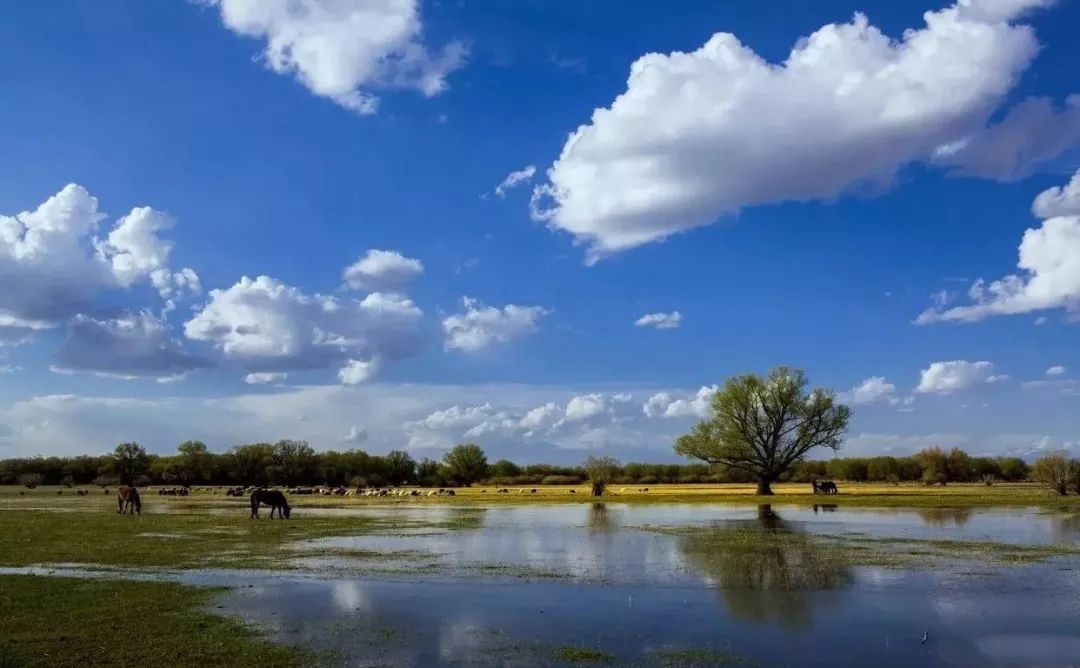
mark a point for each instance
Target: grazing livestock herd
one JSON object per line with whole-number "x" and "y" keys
{"x": 128, "y": 501}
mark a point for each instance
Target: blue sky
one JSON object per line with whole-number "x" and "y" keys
{"x": 830, "y": 207}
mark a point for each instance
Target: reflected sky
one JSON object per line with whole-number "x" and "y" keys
{"x": 758, "y": 582}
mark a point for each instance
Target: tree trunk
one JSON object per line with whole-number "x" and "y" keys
{"x": 764, "y": 487}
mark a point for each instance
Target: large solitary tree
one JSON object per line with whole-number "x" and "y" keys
{"x": 764, "y": 425}
{"x": 601, "y": 471}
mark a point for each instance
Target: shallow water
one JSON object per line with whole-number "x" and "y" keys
{"x": 617, "y": 543}
{"x": 641, "y": 580}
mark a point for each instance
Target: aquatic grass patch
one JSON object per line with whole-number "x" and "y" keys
{"x": 149, "y": 540}
{"x": 988, "y": 552}
{"x": 579, "y": 654}
{"x": 698, "y": 658}
{"x": 58, "y": 622}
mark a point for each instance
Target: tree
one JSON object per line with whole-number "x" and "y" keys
{"x": 882, "y": 468}
{"x": 29, "y": 480}
{"x": 601, "y": 471}
{"x": 130, "y": 461}
{"x": 248, "y": 464}
{"x": 1013, "y": 469}
{"x": 934, "y": 464}
{"x": 293, "y": 462}
{"x": 504, "y": 468}
{"x": 196, "y": 462}
{"x": 1055, "y": 471}
{"x": 763, "y": 426}
{"x": 400, "y": 467}
{"x": 960, "y": 466}
{"x": 106, "y": 480}
{"x": 466, "y": 463}
{"x": 431, "y": 473}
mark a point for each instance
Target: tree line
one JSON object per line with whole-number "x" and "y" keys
{"x": 291, "y": 463}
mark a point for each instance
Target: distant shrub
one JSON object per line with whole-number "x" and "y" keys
{"x": 648, "y": 480}
{"x": 106, "y": 480}
{"x": 561, "y": 480}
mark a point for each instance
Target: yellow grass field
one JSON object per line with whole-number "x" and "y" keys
{"x": 851, "y": 494}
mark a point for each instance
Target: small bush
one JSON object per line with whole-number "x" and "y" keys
{"x": 561, "y": 480}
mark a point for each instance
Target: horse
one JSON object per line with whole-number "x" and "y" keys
{"x": 127, "y": 498}
{"x": 273, "y": 498}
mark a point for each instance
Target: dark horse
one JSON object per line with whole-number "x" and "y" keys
{"x": 127, "y": 499}
{"x": 824, "y": 487}
{"x": 273, "y": 498}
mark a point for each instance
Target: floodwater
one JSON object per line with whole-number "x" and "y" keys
{"x": 671, "y": 585}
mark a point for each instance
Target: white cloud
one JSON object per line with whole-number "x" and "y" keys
{"x": 871, "y": 390}
{"x": 1060, "y": 201}
{"x": 344, "y": 49}
{"x": 264, "y": 378}
{"x": 541, "y": 418}
{"x": 948, "y": 377}
{"x": 355, "y": 435}
{"x": 134, "y": 250}
{"x": 1065, "y": 386}
{"x": 586, "y": 407}
{"x": 1032, "y": 133}
{"x": 515, "y": 179}
{"x": 268, "y": 326}
{"x": 702, "y": 134}
{"x": 480, "y": 326}
{"x": 129, "y": 345}
{"x": 663, "y": 404}
{"x": 594, "y": 415}
{"x": 660, "y": 320}
{"x": 1055, "y": 370}
{"x": 382, "y": 271}
{"x": 358, "y": 371}
{"x": 1049, "y": 260}
{"x": 52, "y": 267}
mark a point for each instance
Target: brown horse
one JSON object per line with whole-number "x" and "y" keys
{"x": 127, "y": 498}
{"x": 273, "y": 498}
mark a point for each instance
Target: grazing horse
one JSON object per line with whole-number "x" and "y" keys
{"x": 127, "y": 499}
{"x": 273, "y": 498}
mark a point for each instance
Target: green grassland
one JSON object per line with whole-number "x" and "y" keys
{"x": 59, "y": 621}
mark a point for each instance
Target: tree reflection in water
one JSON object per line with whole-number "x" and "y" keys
{"x": 766, "y": 569}
{"x": 945, "y": 517}
{"x": 601, "y": 519}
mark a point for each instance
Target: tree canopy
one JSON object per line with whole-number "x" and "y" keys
{"x": 466, "y": 463}
{"x": 131, "y": 461}
{"x": 763, "y": 426}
